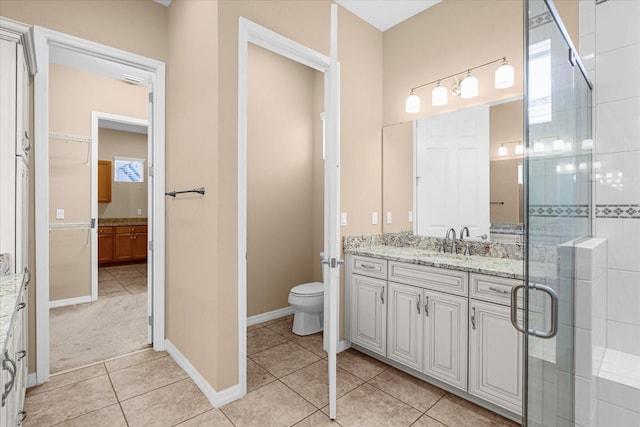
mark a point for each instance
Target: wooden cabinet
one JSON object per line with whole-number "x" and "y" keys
{"x": 130, "y": 243}
{"x": 445, "y": 338}
{"x": 369, "y": 313}
{"x": 122, "y": 243}
{"x": 104, "y": 181}
{"x": 105, "y": 245}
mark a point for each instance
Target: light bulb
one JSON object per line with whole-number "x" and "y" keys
{"x": 587, "y": 144}
{"x": 413, "y": 103}
{"x": 558, "y": 145}
{"x": 505, "y": 76}
{"x": 519, "y": 149}
{"x": 469, "y": 86}
{"x": 502, "y": 151}
{"x": 439, "y": 96}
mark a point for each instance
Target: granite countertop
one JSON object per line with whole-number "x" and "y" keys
{"x": 502, "y": 267}
{"x": 11, "y": 288}
{"x": 115, "y": 222}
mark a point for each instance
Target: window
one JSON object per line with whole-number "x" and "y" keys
{"x": 540, "y": 82}
{"x": 128, "y": 170}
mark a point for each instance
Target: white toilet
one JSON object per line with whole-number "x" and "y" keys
{"x": 307, "y": 301}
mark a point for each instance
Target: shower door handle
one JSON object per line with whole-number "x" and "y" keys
{"x": 554, "y": 310}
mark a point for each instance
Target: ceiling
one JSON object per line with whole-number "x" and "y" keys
{"x": 384, "y": 14}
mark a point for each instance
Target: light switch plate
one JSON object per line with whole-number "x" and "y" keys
{"x": 343, "y": 219}
{"x": 389, "y": 218}
{"x": 59, "y": 213}
{"x": 139, "y": 212}
{"x": 410, "y": 216}
{"x": 374, "y": 218}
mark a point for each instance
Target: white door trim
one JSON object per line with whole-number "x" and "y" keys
{"x": 44, "y": 38}
{"x": 250, "y": 32}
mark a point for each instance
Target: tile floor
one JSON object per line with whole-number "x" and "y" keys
{"x": 286, "y": 386}
{"x": 113, "y": 325}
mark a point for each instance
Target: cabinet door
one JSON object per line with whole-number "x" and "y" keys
{"x": 369, "y": 313}
{"x": 123, "y": 246}
{"x": 495, "y": 356}
{"x": 445, "y": 338}
{"x": 140, "y": 246}
{"x": 404, "y": 334}
{"x": 104, "y": 181}
{"x": 105, "y": 244}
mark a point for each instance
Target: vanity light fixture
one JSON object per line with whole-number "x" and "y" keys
{"x": 587, "y": 144}
{"x": 502, "y": 151}
{"x": 558, "y": 145}
{"x": 467, "y": 88}
{"x": 520, "y": 148}
{"x": 538, "y": 147}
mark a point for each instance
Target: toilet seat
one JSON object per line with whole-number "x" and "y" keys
{"x": 308, "y": 289}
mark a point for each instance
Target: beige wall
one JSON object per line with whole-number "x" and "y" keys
{"x": 126, "y": 197}
{"x": 73, "y": 95}
{"x": 200, "y": 309}
{"x": 397, "y": 177}
{"x": 280, "y": 179}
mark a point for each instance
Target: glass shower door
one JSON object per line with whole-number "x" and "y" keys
{"x": 558, "y": 205}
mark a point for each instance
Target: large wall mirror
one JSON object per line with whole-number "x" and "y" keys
{"x": 454, "y": 169}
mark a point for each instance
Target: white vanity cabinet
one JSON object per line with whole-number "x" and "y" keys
{"x": 444, "y": 324}
{"x": 368, "y": 303}
{"x": 495, "y": 347}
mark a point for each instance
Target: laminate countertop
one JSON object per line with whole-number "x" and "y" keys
{"x": 502, "y": 267}
{"x": 11, "y": 288}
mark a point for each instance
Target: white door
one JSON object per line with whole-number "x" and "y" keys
{"x": 452, "y": 190}
{"x": 445, "y": 338}
{"x": 404, "y": 334}
{"x": 332, "y": 247}
{"x": 369, "y": 313}
{"x": 495, "y": 356}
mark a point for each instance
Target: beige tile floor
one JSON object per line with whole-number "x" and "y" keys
{"x": 286, "y": 382}
{"x": 114, "y": 325}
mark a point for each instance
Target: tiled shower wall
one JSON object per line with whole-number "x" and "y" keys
{"x": 617, "y": 149}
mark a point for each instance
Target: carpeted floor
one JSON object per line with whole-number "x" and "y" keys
{"x": 116, "y": 324}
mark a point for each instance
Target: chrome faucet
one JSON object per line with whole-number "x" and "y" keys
{"x": 467, "y": 251}
{"x": 454, "y": 244}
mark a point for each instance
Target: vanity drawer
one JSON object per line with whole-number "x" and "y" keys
{"x": 494, "y": 289}
{"x": 439, "y": 279}
{"x": 372, "y": 267}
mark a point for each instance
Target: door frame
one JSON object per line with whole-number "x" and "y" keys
{"x": 250, "y": 32}
{"x": 43, "y": 39}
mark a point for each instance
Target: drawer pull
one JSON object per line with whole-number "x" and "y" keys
{"x": 12, "y": 371}
{"x": 21, "y": 355}
{"x": 367, "y": 266}
{"x": 382, "y": 295}
{"x": 426, "y": 306}
{"x": 418, "y": 304}
{"x": 23, "y": 416}
{"x": 21, "y": 306}
{"x": 498, "y": 290}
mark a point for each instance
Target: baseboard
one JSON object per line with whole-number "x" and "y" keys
{"x": 216, "y": 398}
{"x": 343, "y": 345}
{"x": 31, "y": 380}
{"x": 69, "y": 301}
{"x": 271, "y": 315}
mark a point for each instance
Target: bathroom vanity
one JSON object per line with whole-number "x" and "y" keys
{"x": 440, "y": 317}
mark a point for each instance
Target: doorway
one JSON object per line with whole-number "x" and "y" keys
{"x": 65, "y": 50}
{"x": 250, "y": 32}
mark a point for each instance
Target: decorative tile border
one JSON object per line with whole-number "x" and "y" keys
{"x": 618, "y": 211}
{"x": 539, "y": 20}
{"x": 562, "y": 211}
